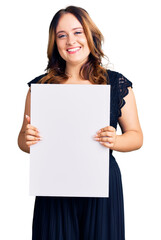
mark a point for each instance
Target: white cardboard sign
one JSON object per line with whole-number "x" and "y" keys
{"x": 68, "y": 161}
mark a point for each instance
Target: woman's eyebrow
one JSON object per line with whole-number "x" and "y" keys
{"x": 72, "y": 29}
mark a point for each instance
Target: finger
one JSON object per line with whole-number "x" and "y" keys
{"x": 33, "y": 138}
{"x": 28, "y": 118}
{"x": 29, "y": 126}
{"x": 106, "y": 133}
{"x": 32, "y": 132}
{"x": 29, "y": 143}
{"x": 108, "y": 128}
{"x": 104, "y": 139}
{"x": 108, "y": 145}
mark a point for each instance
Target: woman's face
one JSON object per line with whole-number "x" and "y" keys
{"x": 71, "y": 40}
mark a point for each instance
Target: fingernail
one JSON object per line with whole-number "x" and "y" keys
{"x": 26, "y": 116}
{"x": 96, "y": 138}
{"x": 99, "y": 131}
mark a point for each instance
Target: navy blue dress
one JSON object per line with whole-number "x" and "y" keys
{"x": 86, "y": 218}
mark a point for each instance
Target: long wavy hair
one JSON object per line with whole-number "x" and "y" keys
{"x": 92, "y": 69}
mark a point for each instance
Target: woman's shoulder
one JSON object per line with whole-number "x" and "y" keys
{"x": 119, "y": 84}
{"x": 36, "y": 79}
{"x": 111, "y": 73}
{"x": 113, "y": 76}
{"x": 118, "y": 79}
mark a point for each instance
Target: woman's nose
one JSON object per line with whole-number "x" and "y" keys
{"x": 71, "y": 40}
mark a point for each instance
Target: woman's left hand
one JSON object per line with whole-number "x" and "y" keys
{"x": 106, "y": 136}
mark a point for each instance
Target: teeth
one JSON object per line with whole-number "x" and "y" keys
{"x": 72, "y": 50}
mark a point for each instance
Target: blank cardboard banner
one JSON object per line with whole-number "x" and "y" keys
{"x": 68, "y": 161}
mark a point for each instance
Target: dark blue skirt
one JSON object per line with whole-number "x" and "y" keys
{"x": 82, "y": 218}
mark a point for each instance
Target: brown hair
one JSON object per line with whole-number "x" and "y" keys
{"x": 92, "y": 70}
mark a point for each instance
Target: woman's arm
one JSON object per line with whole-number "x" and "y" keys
{"x": 132, "y": 136}
{"x": 21, "y": 137}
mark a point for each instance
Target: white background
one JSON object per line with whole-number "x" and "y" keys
{"x": 132, "y": 43}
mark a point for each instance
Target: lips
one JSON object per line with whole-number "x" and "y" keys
{"x": 73, "y": 49}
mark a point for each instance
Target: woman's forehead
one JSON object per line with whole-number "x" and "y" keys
{"x": 68, "y": 22}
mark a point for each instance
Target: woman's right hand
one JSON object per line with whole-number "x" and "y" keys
{"x": 31, "y": 133}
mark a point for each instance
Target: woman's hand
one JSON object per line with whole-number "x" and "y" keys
{"x": 31, "y": 133}
{"x": 106, "y": 136}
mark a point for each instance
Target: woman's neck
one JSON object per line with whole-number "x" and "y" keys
{"x": 73, "y": 71}
{"x": 76, "y": 81}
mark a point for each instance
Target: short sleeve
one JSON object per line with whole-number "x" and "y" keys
{"x": 35, "y": 80}
{"x": 123, "y": 84}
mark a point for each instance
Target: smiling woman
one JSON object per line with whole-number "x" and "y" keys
{"x": 71, "y": 43}
{"x": 75, "y": 56}
{"x": 74, "y": 39}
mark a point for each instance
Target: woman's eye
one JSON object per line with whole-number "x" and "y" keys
{"x": 61, "y": 36}
{"x": 78, "y": 32}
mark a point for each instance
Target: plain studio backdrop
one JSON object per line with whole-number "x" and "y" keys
{"x": 132, "y": 43}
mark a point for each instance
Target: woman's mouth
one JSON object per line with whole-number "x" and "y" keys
{"x": 73, "y": 50}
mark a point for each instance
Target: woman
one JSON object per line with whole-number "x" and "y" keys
{"x": 74, "y": 53}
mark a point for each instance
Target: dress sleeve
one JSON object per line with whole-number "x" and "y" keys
{"x": 35, "y": 80}
{"x": 123, "y": 84}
